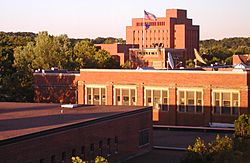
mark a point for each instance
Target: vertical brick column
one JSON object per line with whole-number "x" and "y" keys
{"x": 140, "y": 94}
{"x": 81, "y": 92}
{"x": 173, "y": 105}
{"x": 207, "y": 105}
{"x": 110, "y": 94}
{"x": 244, "y": 101}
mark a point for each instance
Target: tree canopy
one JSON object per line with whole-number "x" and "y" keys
{"x": 221, "y": 51}
{"x": 223, "y": 149}
{"x": 22, "y": 53}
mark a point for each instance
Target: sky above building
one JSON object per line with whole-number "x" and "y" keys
{"x": 103, "y": 18}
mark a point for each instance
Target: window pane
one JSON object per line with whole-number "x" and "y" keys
{"x": 225, "y": 103}
{"x": 148, "y": 98}
{"x": 96, "y": 91}
{"x": 190, "y": 95}
{"x": 96, "y": 98}
{"x": 118, "y": 98}
{"x": 216, "y": 110}
{"x": 217, "y": 96}
{"x": 198, "y": 95}
{"x": 235, "y": 100}
{"x": 182, "y": 98}
{"x": 216, "y": 103}
{"x": 164, "y": 107}
{"x": 199, "y": 109}
{"x": 190, "y": 101}
{"x": 235, "y": 110}
{"x": 156, "y": 98}
{"x": 225, "y": 110}
{"x": 225, "y": 96}
{"x": 181, "y": 101}
{"x": 198, "y": 99}
{"x": 165, "y": 97}
{"x": 103, "y": 96}
{"x": 89, "y": 95}
{"x": 190, "y": 108}
{"x": 181, "y": 108}
{"x": 133, "y": 97}
{"x": 125, "y": 97}
{"x": 143, "y": 137}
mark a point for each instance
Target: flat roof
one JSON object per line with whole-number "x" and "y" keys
{"x": 20, "y": 119}
{"x": 190, "y": 71}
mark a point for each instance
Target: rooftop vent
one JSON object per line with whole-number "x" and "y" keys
{"x": 69, "y": 106}
{"x": 240, "y": 67}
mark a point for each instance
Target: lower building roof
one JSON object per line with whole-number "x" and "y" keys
{"x": 20, "y": 119}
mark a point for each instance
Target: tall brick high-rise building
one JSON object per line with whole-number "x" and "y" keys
{"x": 173, "y": 31}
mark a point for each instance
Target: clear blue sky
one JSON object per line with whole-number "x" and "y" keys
{"x": 92, "y": 18}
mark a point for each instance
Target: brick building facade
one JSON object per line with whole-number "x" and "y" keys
{"x": 179, "y": 97}
{"x": 156, "y": 58}
{"x": 120, "y": 52}
{"x": 173, "y": 31}
{"x": 47, "y": 133}
{"x": 241, "y": 59}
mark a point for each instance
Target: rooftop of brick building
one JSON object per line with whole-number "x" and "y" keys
{"x": 19, "y": 119}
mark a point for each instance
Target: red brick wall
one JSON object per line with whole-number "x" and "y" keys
{"x": 126, "y": 128}
{"x": 56, "y": 88}
{"x": 179, "y": 77}
{"x": 174, "y": 80}
{"x": 204, "y": 80}
{"x": 119, "y": 51}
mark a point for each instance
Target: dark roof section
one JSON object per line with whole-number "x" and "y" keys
{"x": 20, "y": 121}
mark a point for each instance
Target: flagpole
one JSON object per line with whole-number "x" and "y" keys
{"x": 143, "y": 28}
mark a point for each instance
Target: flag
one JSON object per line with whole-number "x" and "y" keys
{"x": 149, "y": 16}
{"x": 147, "y": 25}
{"x": 198, "y": 57}
{"x": 170, "y": 60}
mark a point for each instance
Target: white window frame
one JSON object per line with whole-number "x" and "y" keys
{"x": 195, "y": 90}
{"x": 129, "y": 87}
{"x": 220, "y": 91}
{"x": 152, "y": 89}
{"x": 91, "y": 86}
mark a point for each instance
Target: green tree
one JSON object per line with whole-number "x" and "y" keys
{"x": 242, "y": 136}
{"x": 84, "y": 54}
{"x": 104, "y": 60}
{"x": 98, "y": 159}
{"x": 215, "y": 151}
{"x": 242, "y": 126}
{"x": 220, "y": 144}
{"x": 126, "y": 65}
{"x": 6, "y": 71}
{"x": 225, "y": 48}
{"x": 46, "y": 52}
{"x": 190, "y": 63}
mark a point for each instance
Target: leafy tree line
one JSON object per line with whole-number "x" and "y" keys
{"x": 221, "y": 51}
{"x": 22, "y": 53}
{"x": 223, "y": 149}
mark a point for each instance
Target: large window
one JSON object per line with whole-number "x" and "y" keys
{"x": 225, "y": 102}
{"x": 156, "y": 97}
{"x": 190, "y": 101}
{"x": 95, "y": 95}
{"x": 124, "y": 95}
